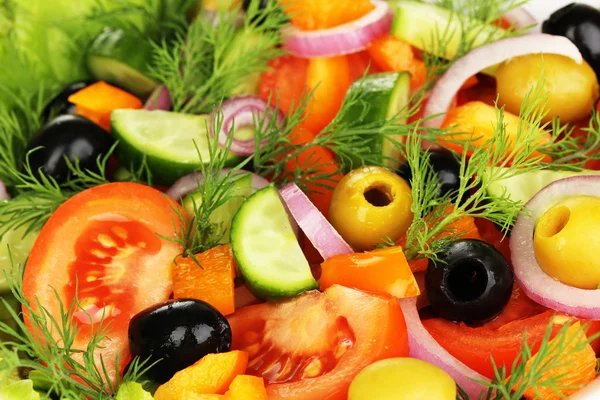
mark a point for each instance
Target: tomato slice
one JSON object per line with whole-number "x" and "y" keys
{"x": 104, "y": 243}
{"x": 285, "y": 82}
{"x": 312, "y": 346}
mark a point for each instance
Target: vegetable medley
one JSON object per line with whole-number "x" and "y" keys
{"x": 290, "y": 199}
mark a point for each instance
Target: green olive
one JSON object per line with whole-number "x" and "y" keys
{"x": 402, "y": 379}
{"x": 571, "y": 88}
{"x": 371, "y": 205}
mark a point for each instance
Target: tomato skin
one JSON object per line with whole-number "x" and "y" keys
{"x": 299, "y": 330}
{"x": 285, "y": 82}
{"x": 131, "y": 280}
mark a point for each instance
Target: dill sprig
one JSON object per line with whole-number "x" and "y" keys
{"x": 431, "y": 230}
{"x": 49, "y": 349}
{"x": 214, "y": 58}
{"x": 199, "y": 231}
{"x": 348, "y": 137}
{"x": 533, "y": 369}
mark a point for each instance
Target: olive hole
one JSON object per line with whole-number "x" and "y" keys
{"x": 468, "y": 280}
{"x": 379, "y": 196}
{"x": 553, "y": 221}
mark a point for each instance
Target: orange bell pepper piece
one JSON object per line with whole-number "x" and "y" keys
{"x": 246, "y": 387}
{"x": 321, "y": 162}
{"x": 329, "y": 80}
{"x": 476, "y": 121}
{"x": 577, "y": 367}
{"x": 383, "y": 271}
{"x": 211, "y": 282}
{"x": 96, "y": 102}
{"x": 324, "y": 14}
{"x": 212, "y": 374}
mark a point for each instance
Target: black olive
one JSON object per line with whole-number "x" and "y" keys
{"x": 60, "y": 105}
{"x": 471, "y": 283}
{"x": 446, "y": 167}
{"x": 69, "y": 136}
{"x": 179, "y": 333}
{"x": 580, "y": 23}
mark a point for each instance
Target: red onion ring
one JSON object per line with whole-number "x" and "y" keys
{"x": 315, "y": 226}
{"x": 520, "y": 18}
{"x": 240, "y": 112}
{"x": 349, "y": 38}
{"x": 4, "y": 192}
{"x": 487, "y": 56}
{"x": 539, "y": 286}
{"x": 160, "y": 99}
{"x": 422, "y": 345}
{"x": 189, "y": 183}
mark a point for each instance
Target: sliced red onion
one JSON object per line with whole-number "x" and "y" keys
{"x": 241, "y": 112}
{"x": 159, "y": 99}
{"x": 349, "y": 38}
{"x": 423, "y": 346}
{"x": 520, "y": 18}
{"x": 189, "y": 183}
{"x": 483, "y": 57}
{"x": 315, "y": 226}
{"x": 539, "y": 286}
{"x": 3, "y": 192}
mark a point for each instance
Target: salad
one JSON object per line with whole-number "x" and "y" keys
{"x": 290, "y": 199}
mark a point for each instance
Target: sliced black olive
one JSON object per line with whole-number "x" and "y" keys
{"x": 471, "y": 283}
{"x": 179, "y": 333}
{"x": 580, "y": 23}
{"x": 446, "y": 168}
{"x": 60, "y": 105}
{"x": 70, "y": 136}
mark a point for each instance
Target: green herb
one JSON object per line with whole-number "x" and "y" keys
{"x": 200, "y": 232}
{"x": 203, "y": 66}
{"x": 49, "y": 348}
{"x": 433, "y": 217}
{"x": 533, "y": 370}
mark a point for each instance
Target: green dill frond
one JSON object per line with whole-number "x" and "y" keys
{"x": 531, "y": 369}
{"x": 214, "y": 59}
{"x": 47, "y": 351}
{"x": 199, "y": 231}
{"x": 431, "y": 230}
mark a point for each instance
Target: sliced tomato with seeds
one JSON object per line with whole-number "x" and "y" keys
{"x": 104, "y": 244}
{"x": 312, "y": 346}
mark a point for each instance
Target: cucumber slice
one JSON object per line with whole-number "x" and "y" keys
{"x": 523, "y": 187}
{"x": 266, "y": 249}
{"x": 422, "y": 25}
{"x": 224, "y": 214}
{"x": 19, "y": 251}
{"x": 121, "y": 59}
{"x": 164, "y": 141}
{"x": 387, "y": 94}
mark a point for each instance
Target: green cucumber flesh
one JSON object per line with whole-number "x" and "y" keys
{"x": 421, "y": 25}
{"x": 223, "y": 215}
{"x": 267, "y": 250}
{"x": 386, "y": 94}
{"x": 170, "y": 144}
{"x": 524, "y": 186}
{"x": 123, "y": 60}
